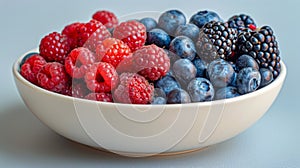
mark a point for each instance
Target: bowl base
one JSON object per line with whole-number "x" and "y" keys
{"x": 131, "y": 154}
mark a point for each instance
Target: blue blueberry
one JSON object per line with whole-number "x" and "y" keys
{"x": 248, "y": 80}
{"x": 167, "y": 84}
{"x": 149, "y": 23}
{"x": 220, "y": 73}
{"x": 158, "y": 37}
{"x": 246, "y": 61}
{"x": 200, "y": 90}
{"x": 233, "y": 82}
{"x": 178, "y": 96}
{"x": 226, "y": 92}
{"x": 159, "y": 100}
{"x": 190, "y": 30}
{"x": 200, "y": 66}
{"x": 170, "y": 20}
{"x": 203, "y": 17}
{"x": 173, "y": 57}
{"x": 158, "y": 92}
{"x": 184, "y": 47}
{"x": 184, "y": 71}
{"x": 236, "y": 69}
{"x": 266, "y": 77}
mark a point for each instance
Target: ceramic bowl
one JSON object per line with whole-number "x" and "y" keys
{"x": 143, "y": 130}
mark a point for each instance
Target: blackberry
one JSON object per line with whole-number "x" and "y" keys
{"x": 216, "y": 40}
{"x": 240, "y": 22}
{"x": 261, "y": 44}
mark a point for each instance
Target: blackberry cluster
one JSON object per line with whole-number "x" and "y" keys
{"x": 261, "y": 44}
{"x": 240, "y": 22}
{"x": 216, "y": 40}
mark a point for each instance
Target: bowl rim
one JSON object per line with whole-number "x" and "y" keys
{"x": 278, "y": 81}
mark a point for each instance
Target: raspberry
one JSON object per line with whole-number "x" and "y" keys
{"x": 31, "y": 67}
{"x": 112, "y": 51}
{"x": 104, "y": 97}
{"x": 77, "y": 89}
{"x": 55, "y": 47}
{"x": 91, "y": 33}
{"x": 53, "y": 77}
{"x": 101, "y": 77}
{"x": 78, "y": 61}
{"x": 133, "y": 88}
{"x": 72, "y": 31}
{"x": 151, "y": 62}
{"x": 108, "y": 19}
{"x": 133, "y": 33}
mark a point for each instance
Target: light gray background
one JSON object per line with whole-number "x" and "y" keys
{"x": 25, "y": 142}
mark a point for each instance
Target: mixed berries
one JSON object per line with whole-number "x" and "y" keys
{"x": 170, "y": 60}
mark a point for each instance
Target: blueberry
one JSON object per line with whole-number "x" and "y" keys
{"x": 200, "y": 66}
{"x": 167, "y": 84}
{"x": 158, "y": 92}
{"x": 200, "y": 90}
{"x": 149, "y": 23}
{"x": 203, "y": 17}
{"x": 248, "y": 80}
{"x": 178, "y": 96}
{"x": 190, "y": 30}
{"x": 158, "y": 37}
{"x": 235, "y": 68}
{"x": 173, "y": 57}
{"x": 184, "y": 71}
{"x": 266, "y": 77}
{"x": 246, "y": 61}
{"x": 220, "y": 73}
{"x": 159, "y": 100}
{"x": 170, "y": 20}
{"x": 233, "y": 82}
{"x": 226, "y": 92}
{"x": 184, "y": 47}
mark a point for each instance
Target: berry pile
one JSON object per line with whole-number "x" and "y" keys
{"x": 149, "y": 61}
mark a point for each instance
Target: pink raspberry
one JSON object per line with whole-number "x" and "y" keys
{"x": 53, "y": 77}
{"x": 78, "y": 61}
{"x": 133, "y": 33}
{"x": 31, "y": 67}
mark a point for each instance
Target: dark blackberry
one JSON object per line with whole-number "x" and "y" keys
{"x": 216, "y": 40}
{"x": 240, "y": 22}
{"x": 261, "y": 44}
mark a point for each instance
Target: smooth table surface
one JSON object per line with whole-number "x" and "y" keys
{"x": 25, "y": 142}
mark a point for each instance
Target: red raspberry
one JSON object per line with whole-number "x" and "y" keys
{"x": 91, "y": 33}
{"x": 133, "y": 88}
{"x": 55, "y": 47}
{"x": 101, "y": 77}
{"x": 78, "y": 61}
{"x": 149, "y": 61}
{"x": 133, "y": 33}
{"x": 107, "y": 18}
{"x": 31, "y": 67}
{"x": 77, "y": 89}
{"x": 104, "y": 97}
{"x": 53, "y": 77}
{"x": 112, "y": 51}
{"x": 72, "y": 31}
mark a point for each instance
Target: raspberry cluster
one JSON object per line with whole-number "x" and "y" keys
{"x": 151, "y": 61}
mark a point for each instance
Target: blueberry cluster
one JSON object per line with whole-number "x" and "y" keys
{"x": 212, "y": 59}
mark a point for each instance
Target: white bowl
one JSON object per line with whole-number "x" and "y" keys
{"x": 143, "y": 130}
